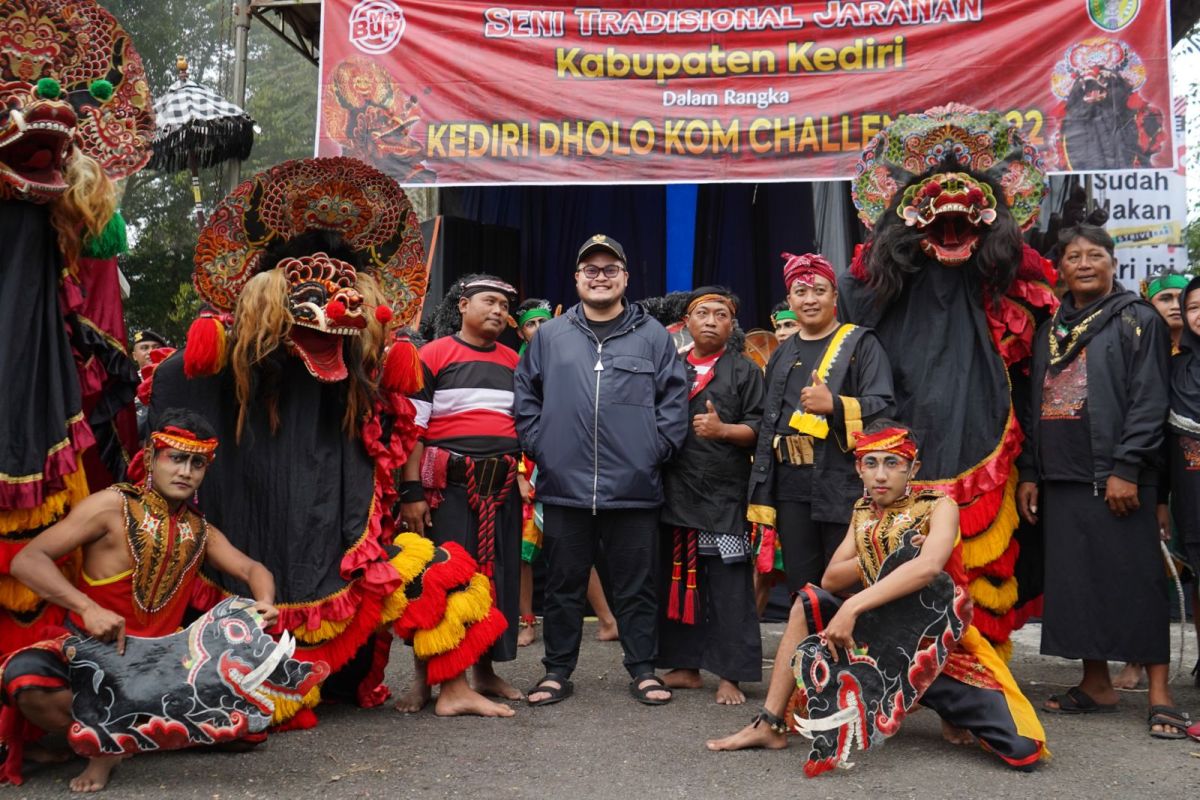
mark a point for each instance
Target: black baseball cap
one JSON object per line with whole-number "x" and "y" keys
{"x": 147, "y": 335}
{"x": 602, "y": 242}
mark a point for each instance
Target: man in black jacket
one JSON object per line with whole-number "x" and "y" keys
{"x": 823, "y": 385}
{"x": 601, "y": 405}
{"x": 711, "y": 622}
{"x": 1095, "y": 425}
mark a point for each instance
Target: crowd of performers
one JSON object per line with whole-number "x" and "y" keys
{"x": 199, "y": 545}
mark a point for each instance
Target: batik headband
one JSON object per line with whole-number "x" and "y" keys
{"x": 713, "y": 298}
{"x": 1171, "y": 280}
{"x": 488, "y": 285}
{"x": 183, "y": 440}
{"x": 805, "y": 269}
{"x": 897, "y": 441}
{"x": 537, "y": 312}
{"x": 782, "y": 314}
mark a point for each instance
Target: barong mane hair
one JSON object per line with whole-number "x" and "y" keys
{"x": 895, "y": 248}
{"x": 262, "y": 321}
{"x": 85, "y": 208}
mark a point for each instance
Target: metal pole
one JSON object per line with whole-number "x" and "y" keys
{"x": 198, "y": 207}
{"x": 241, "y": 29}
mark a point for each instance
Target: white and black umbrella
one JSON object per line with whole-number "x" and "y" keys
{"x": 196, "y": 127}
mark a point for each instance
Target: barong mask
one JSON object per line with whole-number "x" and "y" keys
{"x": 860, "y": 701}
{"x": 70, "y": 81}
{"x": 944, "y": 173}
{"x": 325, "y": 307}
{"x": 221, "y": 678}
{"x": 1090, "y": 70}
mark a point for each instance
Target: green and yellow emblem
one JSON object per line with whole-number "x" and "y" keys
{"x": 1113, "y": 15}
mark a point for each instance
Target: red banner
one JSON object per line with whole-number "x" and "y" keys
{"x": 453, "y": 92}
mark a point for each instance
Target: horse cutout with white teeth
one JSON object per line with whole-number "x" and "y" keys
{"x": 901, "y": 648}
{"x": 218, "y": 680}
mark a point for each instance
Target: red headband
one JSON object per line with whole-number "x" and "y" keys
{"x": 805, "y": 268}
{"x": 897, "y": 441}
{"x": 184, "y": 440}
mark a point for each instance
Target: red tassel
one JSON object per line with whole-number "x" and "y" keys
{"x": 335, "y": 310}
{"x": 402, "y": 370}
{"x": 676, "y": 576}
{"x": 383, "y": 315}
{"x": 766, "y": 552}
{"x": 205, "y": 351}
{"x": 689, "y": 599}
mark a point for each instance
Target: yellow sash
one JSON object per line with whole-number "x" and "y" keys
{"x": 816, "y": 425}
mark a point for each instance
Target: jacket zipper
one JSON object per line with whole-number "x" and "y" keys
{"x": 596, "y": 412}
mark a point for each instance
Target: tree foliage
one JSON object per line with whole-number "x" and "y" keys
{"x": 281, "y": 95}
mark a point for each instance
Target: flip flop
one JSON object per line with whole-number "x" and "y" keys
{"x": 1077, "y": 701}
{"x": 1177, "y": 721}
{"x": 556, "y": 695}
{"x": 642, "y": 693}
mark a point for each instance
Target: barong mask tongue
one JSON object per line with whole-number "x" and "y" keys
{"x": 218, "y": 680}
{"x": 325, "y": 308}
{"x": 951, "y": 209}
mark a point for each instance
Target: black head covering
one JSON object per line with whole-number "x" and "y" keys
{"x": 1185, "y": 374}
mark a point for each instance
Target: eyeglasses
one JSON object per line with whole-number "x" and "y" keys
{"x": 591, "y": 271}
{"x": 888, "y": 463}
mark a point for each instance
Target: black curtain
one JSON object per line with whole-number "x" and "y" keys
{"x": 740, "y": 231}
{"x": 555, "y": 220}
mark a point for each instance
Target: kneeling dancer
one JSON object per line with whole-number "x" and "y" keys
{"x": 142, "y": 549}
{"x": 927, "y": 653}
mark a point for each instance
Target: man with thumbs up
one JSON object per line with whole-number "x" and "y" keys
{"x": 710, "y": 620}
{"x": 822, "y": 385}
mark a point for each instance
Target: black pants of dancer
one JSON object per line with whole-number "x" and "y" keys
{"x": 808, "y": 545}
{"x": 627, "y": 540}
{"x": 725, "y": 640}
{"x": 454, "y": 521}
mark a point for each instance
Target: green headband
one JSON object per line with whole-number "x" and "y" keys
{"x": 783, "y": 314}
{"x": 1169, "y": 281}
{"x": 533, "y": 313}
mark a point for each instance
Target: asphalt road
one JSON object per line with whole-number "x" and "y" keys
{"x": 601, "y": 744}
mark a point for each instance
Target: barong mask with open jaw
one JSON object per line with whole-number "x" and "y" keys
{"x": 326, "y": 307}
{"x": 35, "y": 141}
{"x": 221, "y": 678}
{"x": 902, "y": 646}
{"x": 950, "y": 208}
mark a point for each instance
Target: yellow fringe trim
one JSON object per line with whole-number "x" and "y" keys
{"x": 764, "y": 515}
{"x": 1022, "y": 712}
{"x": 393, "y": 606}
{"x": 327, "y": 630}
{"x": 997, "y": 599}
{"x": 75, "y": 489}
{"x": 1004, "y": 650}
{"x": 463, "y": 608}
{"x": 286, "y": 706}
{"x": 17, "y": 597}
{"x": 415, "y": 554}
{"x": 986, "y": 547}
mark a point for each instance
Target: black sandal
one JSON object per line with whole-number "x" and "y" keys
{"x": 642, "y": 693}
{"x": 1077, "y": 701}
{"x": 1175, "y": 721}
{"x": 556, "y": 693}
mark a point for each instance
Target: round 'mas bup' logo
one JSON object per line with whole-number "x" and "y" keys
{"x": 1113, "y": 15}
{"x": 376, "y": 25}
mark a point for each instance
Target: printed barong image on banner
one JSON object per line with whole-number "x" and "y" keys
{"x": 452, "y": 92}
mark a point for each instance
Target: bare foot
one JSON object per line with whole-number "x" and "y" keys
{"x": 457, "y": 699}
{"x": 526, "y": 636}
{"x": 416, "y": 698}
{"x": 95, "y": 776}
{"x": 956, "y": 735}
{"x": 750, "y": 737}
{"x": 1129, "y": 677}
{"x": 608, "y": 630}
{"x": 729, "y": 694}
{"x": 684, "y": 679}
{"x": 489, "y": 684}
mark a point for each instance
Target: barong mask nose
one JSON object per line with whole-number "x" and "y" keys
{"x": 951, "y": 209}
{"x": 36, "y": 127}
{"x": 325, "y": 307}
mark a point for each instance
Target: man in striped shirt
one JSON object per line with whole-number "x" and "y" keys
{"x": 459, "y": 484}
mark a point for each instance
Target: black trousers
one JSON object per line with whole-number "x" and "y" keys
{"x": 454, "y": 521}
{"x": 725, "y": 640}
{"x": 627, "y": 540}
{"x": 808, "y": 545}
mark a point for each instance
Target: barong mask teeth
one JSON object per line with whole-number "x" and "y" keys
{"x": 1093, "y": 66}
{"x": 69, "y": 78}
{"x": 325, "y": 306}
{"x": 951, "y": 208}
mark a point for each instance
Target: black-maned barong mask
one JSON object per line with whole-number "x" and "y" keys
{"x": 218, "y": 680}
{"x": 325, "y": 307}
{"x": 859, "y": 701}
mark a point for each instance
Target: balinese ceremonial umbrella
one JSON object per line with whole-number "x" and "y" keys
{"x": 198, "y": 128}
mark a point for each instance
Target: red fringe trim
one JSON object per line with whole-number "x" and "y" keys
{"x": 978, "y": 515}
{"x": 46, "y": 625}
{"x": 31, "y": 494}
{"x": 305, "y": 718}
{"x": 1023, "y": 613}
{"x": 1002, "y": 567}
{"x": 986, "y": 476}
{"x": 995, "y": 628}
{"x": 372, "y": 691}
{"x": 427, "y": 610}
{"x": 479, "y": 638}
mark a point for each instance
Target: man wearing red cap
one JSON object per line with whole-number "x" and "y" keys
{"x": 823, "y": 385}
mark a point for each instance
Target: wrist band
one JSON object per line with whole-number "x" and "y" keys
{"x": 411, "y": 492}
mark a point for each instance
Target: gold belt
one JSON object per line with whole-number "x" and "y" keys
{"x": 796, "y": 449}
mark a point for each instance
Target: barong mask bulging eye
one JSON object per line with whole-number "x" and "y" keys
{"x": 951, "y": 209}
{"x": 325, "y": 308}
{"x": 36, "y": 127}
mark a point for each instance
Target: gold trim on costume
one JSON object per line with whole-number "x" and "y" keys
{"x": 815, "y": 424}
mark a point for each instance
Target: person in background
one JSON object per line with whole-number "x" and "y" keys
{"x": 784, "y": 321}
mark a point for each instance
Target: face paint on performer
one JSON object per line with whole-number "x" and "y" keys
{"x": 886, "y": 461}
{"x": 786, "y": 325}
{"x": 177, "y": 475}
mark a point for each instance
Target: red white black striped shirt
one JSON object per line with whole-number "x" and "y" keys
{"x": 467, "y": 403}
